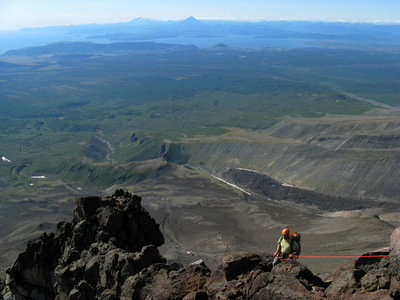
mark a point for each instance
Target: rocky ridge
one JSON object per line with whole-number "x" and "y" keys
{"x": 109, "y": 251}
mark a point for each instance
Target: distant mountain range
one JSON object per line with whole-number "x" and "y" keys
{"x": 325, "y": 34}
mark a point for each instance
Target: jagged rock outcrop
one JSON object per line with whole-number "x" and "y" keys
{"x": 109, "y": 251}
{"x": 109, "y": 239}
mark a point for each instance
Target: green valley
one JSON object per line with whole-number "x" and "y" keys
{"x": 63, "y": 110}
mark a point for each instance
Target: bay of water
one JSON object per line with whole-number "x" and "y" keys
{"x": 21, "y": 39}
{"x": 10, "y": 40}
{"x": 239, "y": 41}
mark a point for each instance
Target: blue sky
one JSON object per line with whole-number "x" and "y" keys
{"x": 16, "y": 14}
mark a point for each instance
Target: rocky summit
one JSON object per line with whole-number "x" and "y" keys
{"x": 109, "y": 251}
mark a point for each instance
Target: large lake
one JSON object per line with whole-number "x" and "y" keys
{"x": 21, "y": 39}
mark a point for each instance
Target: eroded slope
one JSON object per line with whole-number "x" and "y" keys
{"x": 348, "y": 156}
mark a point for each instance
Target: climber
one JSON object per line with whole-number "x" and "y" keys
{"x": 287, "y": 248}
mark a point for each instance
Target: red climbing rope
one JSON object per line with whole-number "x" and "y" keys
{"x": 335, "y": 256}
{"x": 341, "y": 256}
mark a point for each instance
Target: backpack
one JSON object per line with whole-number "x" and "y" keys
{"x": 296, "y": 237}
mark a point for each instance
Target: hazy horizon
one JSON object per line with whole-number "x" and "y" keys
{"x": 18, "y": 14}
{"x": 206, "y": 19}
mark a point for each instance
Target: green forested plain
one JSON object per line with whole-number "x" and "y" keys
{"x": 82, "y": 115}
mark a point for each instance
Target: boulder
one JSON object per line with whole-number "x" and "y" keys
{"x": 110, "y": 218}
{"x": 395, "y": 253}
{"x": 370, "y": 273}
{"x": 395, "y": 263}
{"x": 376, "y": 279}
{"x": 235, "y": 265}
{"x": 86, "y": 207}
{"x": 258, "y": 280}
{"x": 161, "y": 281}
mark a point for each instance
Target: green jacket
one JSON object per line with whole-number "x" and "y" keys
{"x": 288, "y": 247}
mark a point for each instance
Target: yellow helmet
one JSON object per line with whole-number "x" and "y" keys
{"x": 285, "y": 231}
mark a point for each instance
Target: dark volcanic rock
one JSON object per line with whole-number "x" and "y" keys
{"x": 395, "y": 263}
{"x": 395, "y": 252}
{"x": 251, "y": 276}
{"x": 366, "y": 274}
{"x": 108, "y": 240}
{"x": 162, "y": 281}
{"x": 236, "y": 265}
{"x": 266, "y": 187}
{"x": 109, "y": 251}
